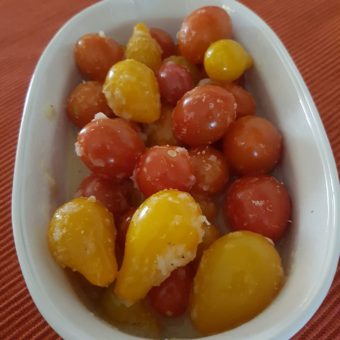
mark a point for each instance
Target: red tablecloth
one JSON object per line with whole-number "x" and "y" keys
{"x": 310, "y": 29}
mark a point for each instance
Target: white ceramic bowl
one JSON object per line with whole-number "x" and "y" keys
{"x": 46, "y": 172}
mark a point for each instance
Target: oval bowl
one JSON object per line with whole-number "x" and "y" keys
{"x": 46, "y": 170}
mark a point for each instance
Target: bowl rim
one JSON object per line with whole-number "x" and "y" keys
{"x": 292, "y": 323}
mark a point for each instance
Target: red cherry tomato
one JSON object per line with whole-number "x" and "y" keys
{"x": 115, "y": 196}
{"x": 171, "y": 297}
{"x": 203, "y": 115}
{"x": 85, "y": 101}
{"x": 164, "y": 41}
{"x": 164, "y": 167}
{"x": 210, "y": 169}
{"x": 252, "y": 145}
{"x": 109, "y": 147}
{"x": 95, "y": 54}
{"x": 259, "y": 204}
{"x": 207, "y": 205}
{"x": 201, "y": 28}
{"x": 245, "y": 102}
{"x": 174, "y": 81}
{"x": 246, "y": 105}
{"x": 123, "y": 227}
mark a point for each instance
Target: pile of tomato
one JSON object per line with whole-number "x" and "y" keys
{"x": 171, "y": 138}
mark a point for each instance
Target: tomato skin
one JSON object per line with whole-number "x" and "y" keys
{"x": 113, "y": 195}
{"x": 207, "y": 205}
{"x": 226, "y": 60}
{"x": 85, "y": 100}
{"x": 123, "y": 227}
{"x": 164, "y": 40}
{"x": 238, "y": 276}
{"x": 246, "y": 105}
{"x": 109, "y": 147}
{"x": 203, "y": 115}
{"x": 210, "y": 169}
{"x": 174, "y": 81}
{"x": 201, "y": 28}
{"x": 171, "y": 297}
{"x": 181, "y": 61}
{"x": 252, "y": 145}
{"x": 259, "y": 204}
{"x": 164, "y": 167}
{"x": 94, "y": 55}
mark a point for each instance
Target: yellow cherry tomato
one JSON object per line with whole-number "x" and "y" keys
{"x": 238, "y": 276}
{"x": 81, "y": 236}
{"x": 137, "y": 319}
{"x": 131, "y": 90}
{"x": 163, "y": 235}
{"x": 142, "y": 47}
{"x": 226, "y": 60}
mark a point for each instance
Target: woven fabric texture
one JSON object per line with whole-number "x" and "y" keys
{"x": 310, "y": 29}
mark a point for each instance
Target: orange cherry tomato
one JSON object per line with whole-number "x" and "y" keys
{"x": 201, "y": 28}
{"x": 252, "y": 145}
{"x": 210, "y": 169}
{"x": 164, "y": 41}
{"x": 95, "y": 54}
{"x": 85, "y": 100}
{"x": 109, "y": 147}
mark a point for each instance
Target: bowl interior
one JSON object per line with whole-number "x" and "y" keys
{"x": 47, "y": 170}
